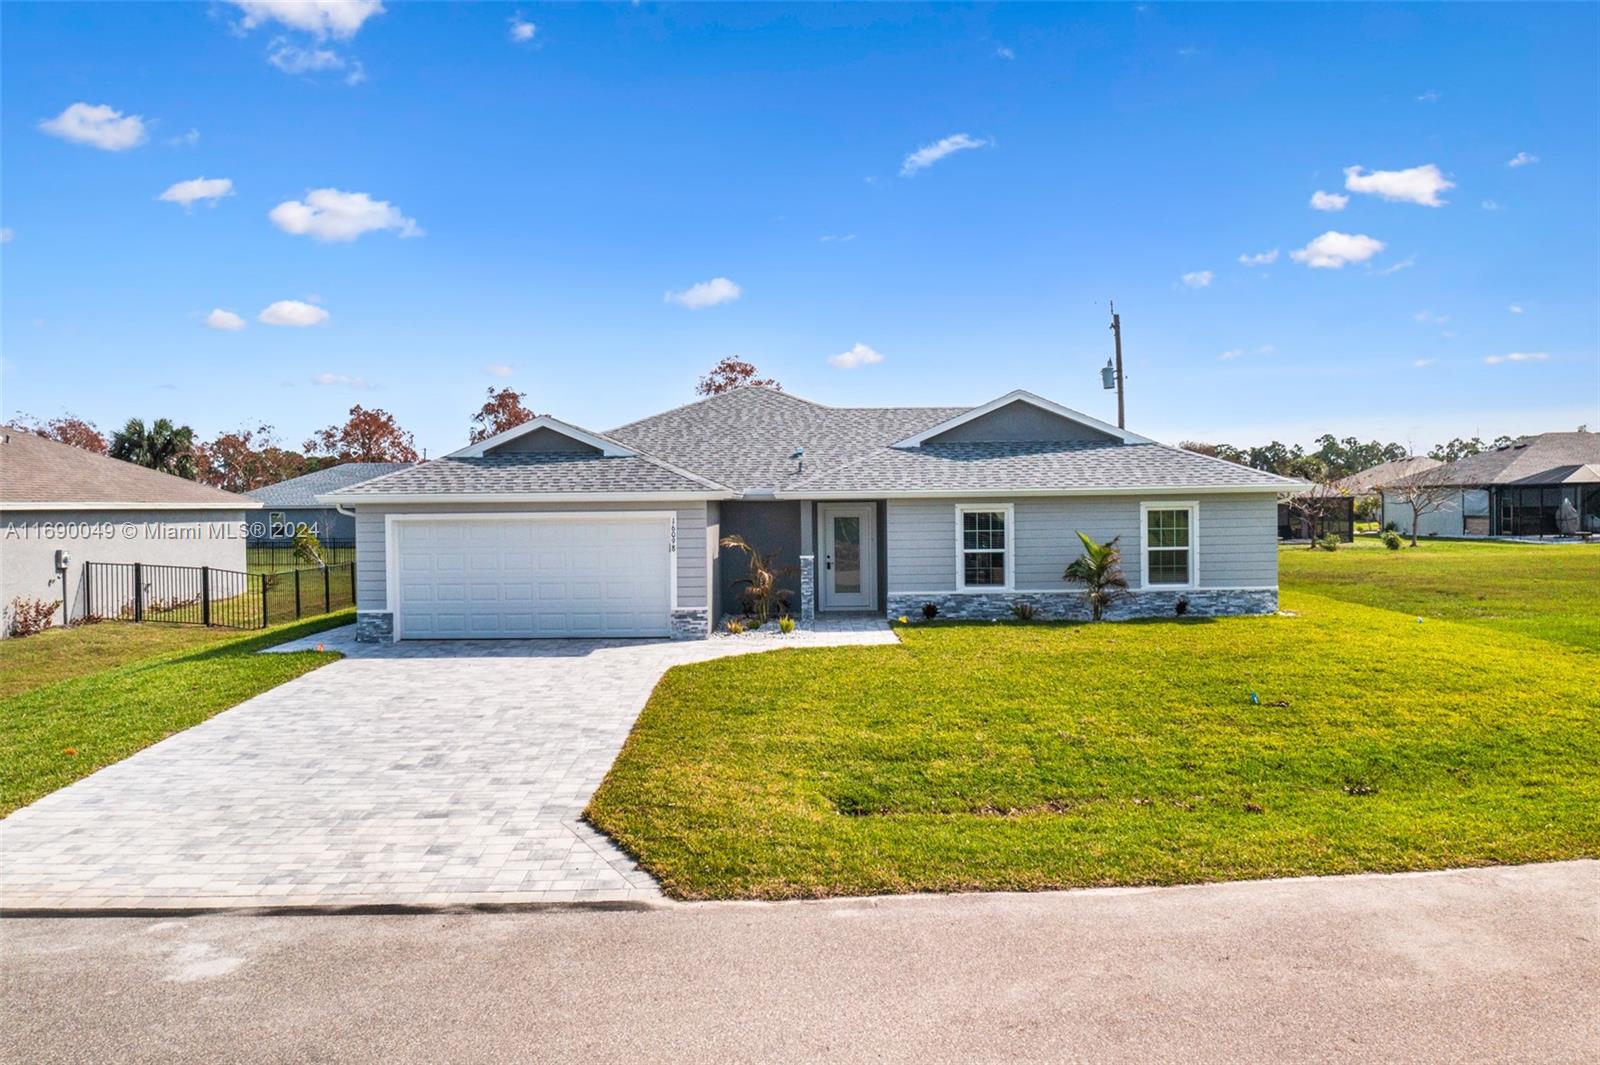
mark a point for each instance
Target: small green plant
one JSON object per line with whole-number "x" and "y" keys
{"x": 1023, "y": 610}
{"x": 1328, "y": 542}
{"x": 735, "y": 627}
{"x": 1100, "y": 569}
{"x": 930, "y": 611}
{"x": 786, "y": 624}
{"x": 1392, "y": 540}
{"x": 307, "y": 548}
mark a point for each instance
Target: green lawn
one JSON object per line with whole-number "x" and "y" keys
{"x": 83, "y": 698}
{"x": 1042, "y": 756}
{"x": 1551, "y": 591}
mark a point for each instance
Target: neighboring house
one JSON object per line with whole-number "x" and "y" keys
{"x": 290, "y": 504}
{"x": 62, "y": 506}
{"x": 548, "y": 529}
{"x": 1516, "y": 490}
{"x": 1333, "y": 509}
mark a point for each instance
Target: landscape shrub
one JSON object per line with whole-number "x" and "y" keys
{"x": 1392, "y": 540}
{"x": 30, "y": 617}
{"x": 786, "y": 624}
{"x": 1023, "y": 610}
{"x": 1328, "y": 542}
{"x": 930, "y": 610}
{"x": 735, "y": 627}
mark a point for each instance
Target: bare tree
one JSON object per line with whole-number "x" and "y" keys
{"x": 1314, "y": 507}
{"x": 1424, "y": 493}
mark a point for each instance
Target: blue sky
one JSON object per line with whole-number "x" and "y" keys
{"x": 522, "y": 201}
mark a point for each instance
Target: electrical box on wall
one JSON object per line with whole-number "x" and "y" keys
{"x": 63, "y": 560}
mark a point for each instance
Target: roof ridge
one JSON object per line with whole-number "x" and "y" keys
{"x": 711, "y": 399}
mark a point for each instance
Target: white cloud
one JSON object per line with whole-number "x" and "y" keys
{"x": 1394, "y": 268}
{"x": 292, "y": 59}
{"x": 330, "y": 215}
{"x": 1260, "y": 258}
{"x": 1522, "y": 159}
{"x": 522, "y": 30}
{"x": 190, "y": 192}
{"x": 706, "y": 294}
{"x": 1004, "y": 53}
{"x": 1333, "y": 250}
{"x": 339, "y": 19}
{"x": 1419, "y": 184}
{"x": 188, "y": 139}
{"x": 225, "y": 320}
{"x": 1239, "y": 353}
{"x": 929, "y": 154}
{"x": 6, "y": 235}
{"x": 498, "y": 369}
{"x": 294, "y": 313}
{"x": 833, "y": 239}
{"x": 1429, "y": 97}
{"x": 1516, "y": 356}
{"x": 1197, "y": 278}
{"x": 1429, "y": 318}
{"x": 1423, "y": 364}
{"x": 338, "y": 379}
{"x": 1231, "y": 353}
{"x": 860, "y": 355}
{"x": 1490, "y": 205}
{"x": 97, "y": 125}
{"x": 1328, "y": 201}
{"x": 1515, "y": 308}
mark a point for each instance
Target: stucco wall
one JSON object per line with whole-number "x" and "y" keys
{"x": 372, "y": 562}
{"x": 1237, "y": 539}
{"x": 29, "y": 541}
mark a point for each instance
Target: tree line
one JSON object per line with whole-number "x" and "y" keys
{"x": 1334, "y": 457}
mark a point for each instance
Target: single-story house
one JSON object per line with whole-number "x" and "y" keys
{"x": 291, "y": 505}
{"x": 1370, "y": 481}
{"x": 1516, "y": 490}
{"x": 549, "y": 529}
{"x": 62, "y": 506}
{"x": 1333, "y": 509}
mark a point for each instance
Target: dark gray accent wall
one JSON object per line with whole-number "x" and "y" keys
{"x": 543, "y": 441}
{"x": 769, "y": 527}
{"x": 1019, "y": 421}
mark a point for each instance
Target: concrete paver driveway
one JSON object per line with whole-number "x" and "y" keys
{"x": 420, "y": 773}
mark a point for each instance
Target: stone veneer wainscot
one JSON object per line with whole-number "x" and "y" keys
{"x": 1074, "y": 606}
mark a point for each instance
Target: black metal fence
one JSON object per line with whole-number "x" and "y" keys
{"x": 204, "y": 595}
{"x": 269, "y": 556}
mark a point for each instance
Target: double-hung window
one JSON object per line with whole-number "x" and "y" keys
{"x": 983, "y": 547}
{"x": 1168, "y": 556}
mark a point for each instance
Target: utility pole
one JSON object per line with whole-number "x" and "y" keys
{"x": 1116, "y": 331}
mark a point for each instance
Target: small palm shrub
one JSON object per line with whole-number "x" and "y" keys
{"x": 761, "y": 593}
{"x": 1023, "y": 610}
{"x": 930, "y": 610}
{"x": 786, "y": 624}
{"x": 1392, "y": 540}
{"x": 307, "y": 548}
{"x": 1099, "y": 569}
{"x": 735, "y": 627}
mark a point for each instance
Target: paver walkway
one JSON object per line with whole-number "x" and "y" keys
{"x": 419, "y": 773}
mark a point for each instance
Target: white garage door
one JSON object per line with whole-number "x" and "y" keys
{"x": 522, "y": 577}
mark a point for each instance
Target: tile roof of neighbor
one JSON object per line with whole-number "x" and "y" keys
{"x": 1041, "y": 466}
{"x": 1548, "y": 458}
{"x": 746, "y": 438}
{"x": 302, "y": 491}
{"x": 1369, "y": 479}
{"x": 35, "y": 470}
{"x": 529, "y": 474}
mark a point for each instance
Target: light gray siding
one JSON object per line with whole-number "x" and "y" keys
{"x": 29, "y": 541}
{"x": 1236, "y": 534}
{"x": 1020, "y": 421}
{"x": 372, "y": 563}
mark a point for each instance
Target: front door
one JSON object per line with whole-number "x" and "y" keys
{"x": 850, "y": 556}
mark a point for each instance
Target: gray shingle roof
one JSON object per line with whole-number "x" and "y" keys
{"x": 744, "y": 438}
{"x": 529, "y": 474}
{"x": 1374, "y": 477}
{"x": 1549, "y": 458}
{"x": 1042, "y": 466}
{"x": 34, "y": 471}
{"x": 302, "y": 491}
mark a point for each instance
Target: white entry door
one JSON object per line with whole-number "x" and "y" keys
{"x": 524, "y": 576}
{"x": 850, "y": 556}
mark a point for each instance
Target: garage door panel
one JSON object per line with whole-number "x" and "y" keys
{"x": 533, "y": 577}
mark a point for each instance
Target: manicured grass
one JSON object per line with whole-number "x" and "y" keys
{"x": 1044, "y": 756}
{"x": 1551, "y": 591}
{"x": 61, "y": 654}
{"x": 57, "y": 732}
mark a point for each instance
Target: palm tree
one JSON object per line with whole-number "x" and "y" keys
{"x": 1100, "y": 569}
{"x": 762, "y": 582}
{"x": 163, "y": 446}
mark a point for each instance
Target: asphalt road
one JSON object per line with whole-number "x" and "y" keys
{"x": 1482, "y": 965}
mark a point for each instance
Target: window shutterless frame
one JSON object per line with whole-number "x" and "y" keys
{"x": 1192, "y": 509}
{"x": 1007, "y": 513}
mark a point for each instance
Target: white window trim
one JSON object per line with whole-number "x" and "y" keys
{"x": 1193, "y": 507}
{"x": 1010, "y": 512}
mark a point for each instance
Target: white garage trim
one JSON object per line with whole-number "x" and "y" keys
{"x": 392, "y": 523}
